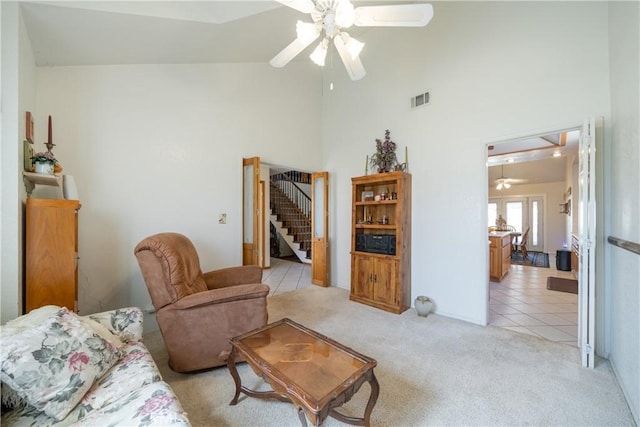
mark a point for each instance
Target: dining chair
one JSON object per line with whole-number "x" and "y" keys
{"x": 521, "y": 244}
{"x": 514, "y": 235}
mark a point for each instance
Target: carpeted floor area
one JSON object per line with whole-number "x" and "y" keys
{"x": 432, "y": 371}
{"x": 534, "y": 259}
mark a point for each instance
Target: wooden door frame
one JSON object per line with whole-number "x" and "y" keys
{"x": 263, "y": 226}
{"x": 250, "y": 250}
{"x": 320, "y": 245}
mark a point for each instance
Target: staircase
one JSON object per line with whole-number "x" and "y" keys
{"x": 291, "y": 213}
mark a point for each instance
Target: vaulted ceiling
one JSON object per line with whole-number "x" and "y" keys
{"x": 142, "y": 32}
{"x": 69, "y": 33}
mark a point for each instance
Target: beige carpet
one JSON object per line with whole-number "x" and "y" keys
{"x": 432, "y": 371}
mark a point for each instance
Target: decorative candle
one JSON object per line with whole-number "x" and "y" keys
{"x": 366, "y": 165}
{"x": 406, "y": 155}
{"x": 50, "y": 137}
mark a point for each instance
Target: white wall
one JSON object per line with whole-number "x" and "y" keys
{"x": 157, "y": 148}
{"x": 9, "y": 204}
{"x": 18, "y": 97}
{"x": 624, "y": 204}
{"x": 495, "y": 70}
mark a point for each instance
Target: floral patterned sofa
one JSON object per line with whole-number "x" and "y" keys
{"x": 59, "y": 368}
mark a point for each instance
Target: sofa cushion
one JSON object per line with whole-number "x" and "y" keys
{"x": 10, "y": 399}
{"x": 27, "y": 321}
{"x": 125, "y": 323}
{"x": 135, "y": 370}
{"x": 154, "y": 404}
{"x": 51, "y": 366}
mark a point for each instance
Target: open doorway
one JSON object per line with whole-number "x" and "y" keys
{"x": 284, "y": 206}
{"x": 529, "y": 181}
{"x": 289, "y": 213}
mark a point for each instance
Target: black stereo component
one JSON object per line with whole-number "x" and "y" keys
{"x": 376, "y": 243}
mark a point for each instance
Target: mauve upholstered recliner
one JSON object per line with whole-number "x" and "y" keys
{"x": 198, "y": 313}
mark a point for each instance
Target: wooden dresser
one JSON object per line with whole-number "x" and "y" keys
{"x": 51, "y": 257}
{"x": 499, "y": 254}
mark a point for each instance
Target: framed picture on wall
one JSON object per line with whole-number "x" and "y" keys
{"x": 28, "y": 143}
{"x": 29, "y": 130}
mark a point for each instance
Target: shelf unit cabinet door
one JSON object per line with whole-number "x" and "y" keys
{"x": 362, "y": 280}
{"x": 385, "y": 286}
{"x": 51, "y": 253}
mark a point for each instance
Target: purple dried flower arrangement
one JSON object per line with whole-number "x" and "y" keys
{"x": 384, "y": 159}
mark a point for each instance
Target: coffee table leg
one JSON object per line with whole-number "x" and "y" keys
{"x": 373, "y": 398}
{"x": 231, "y": 364}
{"x": 303, "y": 417}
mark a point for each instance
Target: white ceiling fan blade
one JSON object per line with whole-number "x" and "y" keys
{"x": 353, "y": 65}
{"x": 403, "y": 15}
{"x": 304, "y": 6}
{"x": 290, "y": 52}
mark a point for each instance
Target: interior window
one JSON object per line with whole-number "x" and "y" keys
{"x": 514, "y": 215}
{"x": 493, "y": 214}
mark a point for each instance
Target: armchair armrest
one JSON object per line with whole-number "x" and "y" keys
{"x": 222, "y": 295}
{"x": 233, "y": 276}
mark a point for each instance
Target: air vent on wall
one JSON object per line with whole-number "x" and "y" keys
{"x": 420, "y": 100}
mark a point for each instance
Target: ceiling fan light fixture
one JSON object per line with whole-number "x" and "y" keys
{"x": 507, "y": 185}
{"x": 331, "y": 17}
{"x": 345, "y": 14}
{"x": 307, "y": 32}
{"x": 320, "y": 53}
{"x": 499, "y": 186}
{"x": 354, "y": 47}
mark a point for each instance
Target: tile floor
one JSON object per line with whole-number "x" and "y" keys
{"x": 286, "y": 276}
{"x": 522, "y": 303}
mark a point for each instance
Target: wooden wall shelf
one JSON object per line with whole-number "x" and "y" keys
{"x": 31, "y": 179}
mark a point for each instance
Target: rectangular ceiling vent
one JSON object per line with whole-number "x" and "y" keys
{"x": 420, "y": 100}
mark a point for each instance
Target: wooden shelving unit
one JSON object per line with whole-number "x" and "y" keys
{"x": 381, "y": 241}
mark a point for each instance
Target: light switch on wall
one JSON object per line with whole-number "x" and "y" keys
{"x": 222, "y": 219}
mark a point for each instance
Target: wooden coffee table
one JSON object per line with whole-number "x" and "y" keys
{"x": 303, "y": 367}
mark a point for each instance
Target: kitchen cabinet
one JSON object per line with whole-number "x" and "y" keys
{"x": 499, "y": 255}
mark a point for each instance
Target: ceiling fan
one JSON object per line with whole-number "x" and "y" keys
{"x": 332, "y": 17}
{"x": 505, "y": 183}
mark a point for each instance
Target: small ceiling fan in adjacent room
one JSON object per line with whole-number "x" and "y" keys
{"x": 505, "y": 183}
{"x": 330, "y": 20}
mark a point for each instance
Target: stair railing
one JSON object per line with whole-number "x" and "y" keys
{"x": 294, "y": 193}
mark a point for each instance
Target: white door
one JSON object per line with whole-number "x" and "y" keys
{"x": 587, "y": 242}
